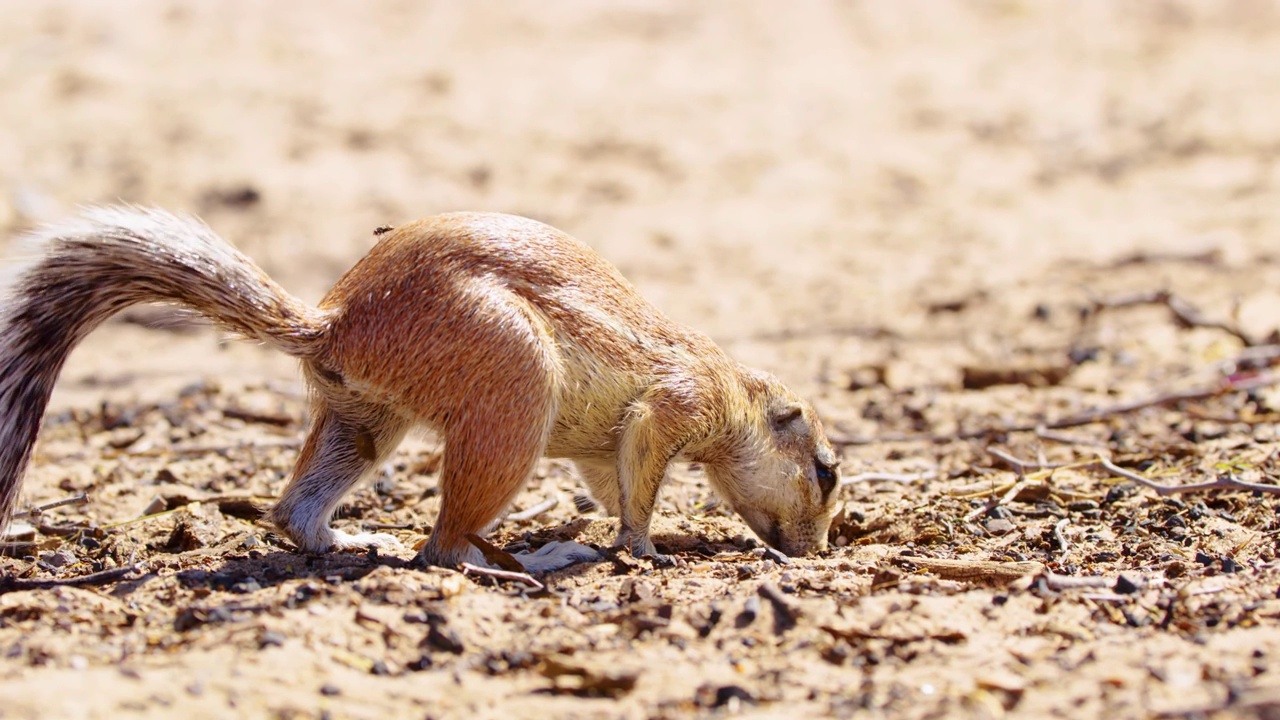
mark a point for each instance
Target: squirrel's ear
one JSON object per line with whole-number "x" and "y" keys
{"x": 783, "y": 415}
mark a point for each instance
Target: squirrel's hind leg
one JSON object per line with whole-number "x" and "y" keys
{"x": 339, "y": 451}
{"x": 490, "y": 448}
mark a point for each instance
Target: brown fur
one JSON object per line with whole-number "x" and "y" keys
{"x": 514, "y": 341}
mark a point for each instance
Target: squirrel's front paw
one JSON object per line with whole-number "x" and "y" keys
{"x": 364, "y": 541}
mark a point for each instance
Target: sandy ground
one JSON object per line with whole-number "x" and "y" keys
{"x": 934, "y": 219}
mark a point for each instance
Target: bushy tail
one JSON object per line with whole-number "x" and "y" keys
{"x": 86, "y": 270}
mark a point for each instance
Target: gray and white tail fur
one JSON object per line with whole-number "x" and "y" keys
{"x": 86, "y": 270}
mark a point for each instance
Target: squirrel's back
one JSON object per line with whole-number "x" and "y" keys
{"x": 585, "y": 298}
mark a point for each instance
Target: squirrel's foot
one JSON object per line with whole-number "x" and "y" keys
{"x": 641, "y": 547}
{"x": 662, "y": 560}
{"x": 364, "y": 541}
{"x": 557, "y": 556}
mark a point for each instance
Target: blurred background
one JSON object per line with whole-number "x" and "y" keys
{"x": 792, "y": 181}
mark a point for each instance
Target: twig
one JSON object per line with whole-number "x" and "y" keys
{"x": 1106, "y": 597}
{"x": 998, "y": 500}
{"x": 870, "y": 332}
{"x": 1088, "y": 417}
{"x": 253, "y": 416}
{"x": 1043, "y": 470}
{"x": 533, "y": 512}
{"x": 40, "y": 509}
{"x": 1222, "y": 482}
{"x": 1225, "y": 482}
{"x": 220, "y": 449}
{"x": 1046, "y": 434}
{"x": 12, "y": 548}
{"x": 495, "y": 555}
{"x": 1020, "y": 466}
{"x": 888, "y": 477}
{"x": 1056, "y": 582}
{"x": 469, "y": 569}
{"x": 289, "y": 443}
{"x": 972, "y": 570}
{"x": 9, "y": 584}
{"x": 1250, "y": 358}
{"x": 142, "y": 518}
{"x": 971, "y": 492}
{"x": 1184, "y": 313}
{"x": 1210, "y": 256}
{"x": 1060, "y": 538}
{"x": 1268, "y": 419}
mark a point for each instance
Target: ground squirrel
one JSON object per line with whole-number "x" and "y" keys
{"x": 510, "y": 338}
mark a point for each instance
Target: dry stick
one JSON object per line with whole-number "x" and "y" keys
{"x": 1250, "y": 357}
{"x": 1186, "y": 314}
{"x": 1088, "y": 417}
{"x": 535, "y": 511}
{"x": 8, "y": 584}
{"x": 1269, "y": 419}
{"x": 252, "y": 416}
{"x": 288, "y": 443}
{"x": 997, "y": 501}
{"x": 1046, "y": 434}
{"x": 972, "y": 570}
{"x": 1054, "y": 581}
{"x": 1060, "y": 537}
{"x": 142, "y": 518}
{"x": 1021, "y": 466}
{"x": 13, "y": 547}
{"x": 969, "y": 492}
{"x": 1224, "y": 482}
{"x": 526, "y": 578}
{"x": 495, "y": 555}
{"x": 1228, "y": 482}
{"x": 40, "y": 509}
{"x": 221, "y": 449}
{"x": 888, "y": 477}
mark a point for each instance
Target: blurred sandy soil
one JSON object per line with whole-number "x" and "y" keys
{"x": 864, "y": 198}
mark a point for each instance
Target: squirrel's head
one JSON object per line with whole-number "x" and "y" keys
{"x": 777, "y": 470}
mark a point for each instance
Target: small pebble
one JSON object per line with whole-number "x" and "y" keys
{"x": 157, "y": 504}
{"x": 1126, "y": 586}
{"x": 777, "y": 556}
{"x": 732, "y": 695}
{"x": 330, "y": 689}
{"x": 248, "y": 585}
{"x": 271, "y": 638}
{"x": 60, "y": 558}
{"x": 836, "y": 654}
{"x": 444, "y": 639}
{"x": 999, "y": 526}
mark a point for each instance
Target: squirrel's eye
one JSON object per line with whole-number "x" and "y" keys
{"x": 826, "y": 475}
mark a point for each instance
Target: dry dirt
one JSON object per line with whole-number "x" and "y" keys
{"x": 948, "y": 224}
